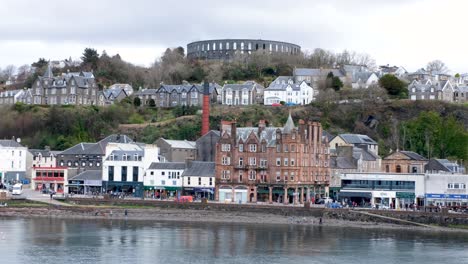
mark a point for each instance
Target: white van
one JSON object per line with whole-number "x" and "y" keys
{"x": 17, "y": 189}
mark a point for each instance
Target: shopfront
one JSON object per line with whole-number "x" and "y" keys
{"x": 199, "y": 193}
{"x": 404, "y": 200}
{"x": 132, "y": 189}
{"x": 163, "y": 192}
{"x": 435, "y": 199}
{"x": 383, "y": 198}
{"x": 50, "y": 179}
{"x": 362, "y": 199}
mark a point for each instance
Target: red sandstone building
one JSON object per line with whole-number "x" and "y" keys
{"x": 272, "y": 164}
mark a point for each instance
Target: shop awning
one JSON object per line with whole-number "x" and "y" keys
{"x": 407, "y": 195}
{"x": 355, "y": 194}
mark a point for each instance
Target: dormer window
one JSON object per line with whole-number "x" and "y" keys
{"x": 112, "y": 157}
{"x": 125, "y": 157}
{"x": 135, "y": 157}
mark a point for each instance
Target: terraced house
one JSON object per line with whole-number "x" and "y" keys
{"x": 272, "y": 164}
{"x": 73, "y": 88}
{"x": 177, "y": 95}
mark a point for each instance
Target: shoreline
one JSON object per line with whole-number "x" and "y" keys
{"x": 204, "y": 216}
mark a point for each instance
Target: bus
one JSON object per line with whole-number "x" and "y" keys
{"x": 17, "y": 189}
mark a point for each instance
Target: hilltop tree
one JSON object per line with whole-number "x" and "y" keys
{"x": 333, "y": 82}
{"x": 394, "y": 86}
{"x": 90, "y": 58}
{"x": 436, "y": 66}
{"x": 40, "y": 63}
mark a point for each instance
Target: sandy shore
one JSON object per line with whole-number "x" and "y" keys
{"x": 201, "y": 216}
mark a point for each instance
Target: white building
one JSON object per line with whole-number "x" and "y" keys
{"x": 11, "y": 97}
{"x": 284, "y": 89}
{"x": 199, "y": 179}
{"x": 397, "y": 190}
{"x": 43, "y": 157}
{"x": 446, "y": 189}
{"x": 14, "y": 160}
{"x": 400, "y": 190}
{"x": 164, "y": 179}
{"x": 124, "y": 166}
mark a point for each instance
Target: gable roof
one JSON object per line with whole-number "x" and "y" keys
{"x": 200, "y": 169}
{"x": 9, "y": 143}
{"x": 337, "y": 162}
{"x": 97, "y": 148}
{"x": 177, "y": 88}
{"x": 413, "y": 155}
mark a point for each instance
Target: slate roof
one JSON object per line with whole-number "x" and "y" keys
{"x": 306, "y": 72}
{"x": 43, "y": 152}
{"x": 10, "y": 93}
{"x": 461, "y": 89}
{"x": 114, "y": 92}
{"x": 444, "y": 165}
{"x": 238, "y": 87}
{"x": 366, "y": 155}
{"x": 178, "y": 88}
{"x": 97, "y": 148}
{"x": 167, "y": 166}
{"x": 282, "y": 82}
{"x": 357, "y": 139}
{"x": 289, "y": 126}
{"x": 93, "y": 175}
{"x": 413, "y": 155}
{"x": 183, "y": 144}
{"x": 213, "y": 87}
{"x": 200, "y": 169}
{"x": 146, "y": 92}
{"x": 419, "y": 87}
{"x": 360, "y": 76}
{"x": 327, "y": 135}
{"x": 9, "y": 143}
{"x": 342, "y": 163}
{"x": 118, "y": 155}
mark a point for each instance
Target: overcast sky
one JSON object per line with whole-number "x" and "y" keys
{"x": 398, "y": 32}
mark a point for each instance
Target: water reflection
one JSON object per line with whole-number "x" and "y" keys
{"x": 103, "y": 241}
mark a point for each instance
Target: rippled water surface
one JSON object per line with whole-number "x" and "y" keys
{"x": 84, "y": 241}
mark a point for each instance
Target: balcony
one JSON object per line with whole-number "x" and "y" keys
{"x": 239, "y": 166}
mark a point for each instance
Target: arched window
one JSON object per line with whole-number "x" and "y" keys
{"x": 398, "y": 169}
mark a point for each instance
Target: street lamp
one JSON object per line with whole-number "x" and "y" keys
{"x": 204, "y": 190}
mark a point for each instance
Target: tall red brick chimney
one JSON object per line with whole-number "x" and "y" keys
{"x": 206, "y": 109}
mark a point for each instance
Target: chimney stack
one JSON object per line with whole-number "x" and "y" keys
{"x": 206, "y": 109}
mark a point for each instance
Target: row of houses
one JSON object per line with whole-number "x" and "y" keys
{"x": 441, "y": 90}
{"x": 72, "y": 88}
{"x": 286, "y": 164}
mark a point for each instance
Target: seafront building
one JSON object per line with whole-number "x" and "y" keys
{"x": 199, "y": 179}
{"x": 286, "y": 164}
{"x": 403, "y": 190}
{"x": 124, "y": 167}
{"x": 15, "y": 161}
{"x": 164, "y": 180}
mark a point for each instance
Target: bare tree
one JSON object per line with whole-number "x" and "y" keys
{"x": 24, "y": 72}
{"x": 436, "y": 66}
{"x": 9, "y": 71}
